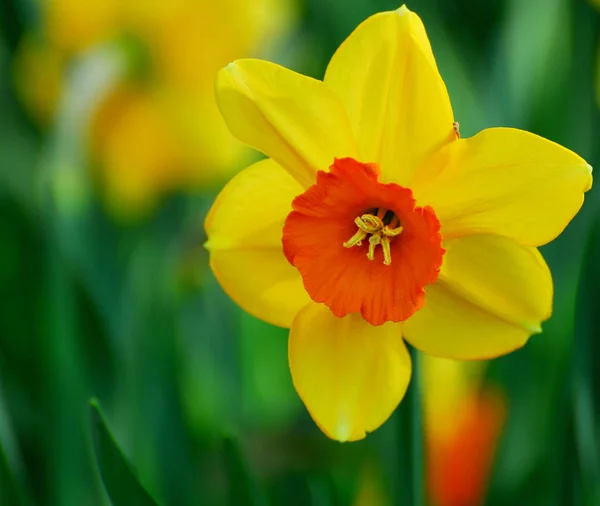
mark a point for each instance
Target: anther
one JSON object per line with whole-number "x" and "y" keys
{"x": 382, "y": 227}
{"x": 356, "y": 239}
{"x": 374, "y": 240}
{"x": 456, "y": 127}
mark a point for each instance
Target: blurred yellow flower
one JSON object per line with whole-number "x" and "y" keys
{"x": 433, "y": 239}
{"x": 138, "y": 149}
{"x": 38, "y": 63}
{"x": 166, "y": 132}
{"x": 72, "y": 26}
{"x": 190, "y": 40}
{"x": 463, "y": 422}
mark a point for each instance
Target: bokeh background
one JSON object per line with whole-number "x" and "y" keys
{"x": 111, "y": 152}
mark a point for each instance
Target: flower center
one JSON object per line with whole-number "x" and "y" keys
{"x": 324, "y": 237}
{"x": 382, "y": 227}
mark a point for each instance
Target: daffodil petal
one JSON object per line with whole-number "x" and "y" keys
{"x": 451, "y": 327}
{"x": 500, "y": 276}
{"x": 397, "y": 102}
{"x": 504, "y": 181}
{"x": 350, "y": 374}
{"x": 294, "y": 119}
{"x": 492, "y": 294}
{"x": 244, "y": 240}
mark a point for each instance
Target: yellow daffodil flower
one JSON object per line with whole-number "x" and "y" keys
{"x": 73, "y": 26}
{"x": 372, "y": 222}
{"x": 166, "y": 134}
{"x": 463, "y": 420}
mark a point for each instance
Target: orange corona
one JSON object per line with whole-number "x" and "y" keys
{"x": 338, "y": 269}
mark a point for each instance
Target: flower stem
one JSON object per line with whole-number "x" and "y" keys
{"x": 417, "y": 468}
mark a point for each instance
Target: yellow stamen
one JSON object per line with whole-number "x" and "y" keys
{"x": 380, "y": 234}
{"x": 387, "y": 253}
{"x": 369, "y": 223}
{"x": 374, "y": 240}
{"x": 392, "y": 232}
{"x": 356, "y": 239}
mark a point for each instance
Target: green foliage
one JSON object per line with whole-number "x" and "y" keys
{"x": 10, "y": 492}
{"x": 585, "y": 377}
{"x": 241, "y": 488}
{"x": 119, "y": 479}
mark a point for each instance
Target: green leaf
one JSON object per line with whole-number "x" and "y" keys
{"x": 242, "y": 489}
{"x": 584, "y": 375}
{"x": 119, "y": 479}
{"x": 9, "y": 489}
{"x": 13, "y": 479}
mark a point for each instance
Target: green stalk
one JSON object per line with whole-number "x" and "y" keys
{"x": 417, "y": 467}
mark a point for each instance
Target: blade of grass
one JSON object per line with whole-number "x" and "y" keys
{"x": 12, "y": 480}
{"x": 119, "y": 479}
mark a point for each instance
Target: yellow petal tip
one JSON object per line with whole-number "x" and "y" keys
{"x": 224, "y": 75}
{"x": 342, "y": 433}
{"x": 535, "y": 329}
{"x": 402, "y": 10}
{"x": 590, "y": 182}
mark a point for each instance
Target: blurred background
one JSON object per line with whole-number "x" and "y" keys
{"x": 111, "y": 152}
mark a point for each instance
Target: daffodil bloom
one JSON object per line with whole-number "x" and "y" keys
{"x": 161, "y": 133}
{"x": 372, "y": 222}
{"x": 463, "y": 422}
